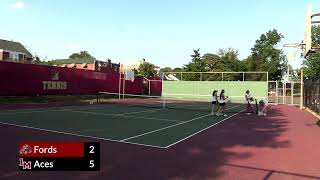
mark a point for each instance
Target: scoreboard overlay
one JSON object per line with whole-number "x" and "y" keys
{"x": 59, "y": 156}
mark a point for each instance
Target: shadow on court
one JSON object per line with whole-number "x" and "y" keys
{"x": 279, "y": 146}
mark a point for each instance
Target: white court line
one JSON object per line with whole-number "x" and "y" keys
{"x": 143, "y": 134}
{"x": 79, "y": 135}
{"x": 142, "y": 111}
{"x": 203, "y": 129}
{"x": 55, "y": 109}
{"x": 52, "y": 108}
{"x": 67, "y": 108}
{"x": 120, "y": 115}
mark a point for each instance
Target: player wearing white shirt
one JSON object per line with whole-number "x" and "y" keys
{"x": 248, "y": 99}
{"x": 222, "y": 103}
{"x": 214, "y": 101}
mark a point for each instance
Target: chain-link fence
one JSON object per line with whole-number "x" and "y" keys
{"x": 284, "y": 92}
{"x": 311, "y": 94}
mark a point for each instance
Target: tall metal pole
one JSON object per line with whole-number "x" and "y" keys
{"x": 284, "y": 95}
{"x": 301, "y": 90}
{"x": 124, "y": 85}
{"x": 292, "y": 85}
{"x": 120, "y": 69}
{"x": 149, "y": 86}
{"x": 162, "y": 94}
{"x": 277, "y": 90}
{"x": 267, "y": 85}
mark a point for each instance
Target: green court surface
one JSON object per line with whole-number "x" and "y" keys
{"x": 157, "y": 127}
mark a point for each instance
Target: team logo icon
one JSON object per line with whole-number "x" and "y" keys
{"x": 25, "y": 149}
{"x": 54, "y": 75}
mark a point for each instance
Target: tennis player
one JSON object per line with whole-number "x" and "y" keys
{"x": 214, "y": 102}
{"x": 222, "y": 103}
{"x": 262, "y": 108}
{"x": 248, "y": 99}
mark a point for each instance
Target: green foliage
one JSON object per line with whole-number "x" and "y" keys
{"x": 73, "y": 61}
{"x": 135, "y": 71}
{"x": 224, "y": 60}
{"x": 265, "y": 56}
{"x": 166, "y": 69}
{"x": 315, "y": 35}
{"x": 177, "y": 69}
{"x": 76, "y": 58}
{"x": 311, "y": 65}
{"x": 81, "y": 55}
{"x": 196, "y": 64}
{"x": 147, "y": 70}
{"x": 37, "y": 60}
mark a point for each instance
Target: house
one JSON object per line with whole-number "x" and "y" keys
{"x": 132, "y": 66}
{"x": 136, "y": 64}
{"x": 14, "y": 51}
{"x": 88, "y": 64}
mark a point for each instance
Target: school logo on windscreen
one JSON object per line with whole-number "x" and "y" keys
{"x": 25, "y": 149}
{"x": 54, "y": 83}
{"x": 54, "y": 75}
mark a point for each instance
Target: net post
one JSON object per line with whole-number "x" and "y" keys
{"x": 181, "y": 75}
{"x": 222, "y": 76}
{"x": 200, "y": 76}
{"x": 242, "y": 76}
{"x": 163, "y": 103}
{"x": 301, "y": 89}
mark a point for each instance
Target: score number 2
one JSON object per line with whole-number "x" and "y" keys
{"x": 91, "y": 162}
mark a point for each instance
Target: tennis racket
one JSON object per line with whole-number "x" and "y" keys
{"x": 256, "y": 106}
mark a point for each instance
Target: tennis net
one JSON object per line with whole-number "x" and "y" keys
{"x": 183, "y": 103}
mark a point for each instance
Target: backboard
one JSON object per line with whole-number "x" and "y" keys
{"x": 307, "y": 31}
{"x": 129, "y": 75}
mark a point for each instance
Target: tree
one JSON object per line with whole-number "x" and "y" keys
{"x": 166, "y": 69}
{"x": 177, "y": 69}
{"x": 225, "y": 60}
{"x": 147, "y": 70}
{"x": 315, "y": 35}
{"x": 266, "y": 57}
{"x": 211, "y": 61}
{"x": 196, "y": 64}
{"x": 37, "y": 60}
{"x": 311, "y": 65}
{"x": 81, "y": 55}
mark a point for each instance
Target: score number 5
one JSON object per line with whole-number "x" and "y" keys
{"x": 91, "y": 162}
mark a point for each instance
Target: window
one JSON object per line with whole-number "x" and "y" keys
{"x": 14, "y": 56}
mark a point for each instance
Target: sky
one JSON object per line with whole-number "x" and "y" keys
{"x": 164, "y": 32}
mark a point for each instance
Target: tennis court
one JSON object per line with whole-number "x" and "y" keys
{"x": 134, "y": 121}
